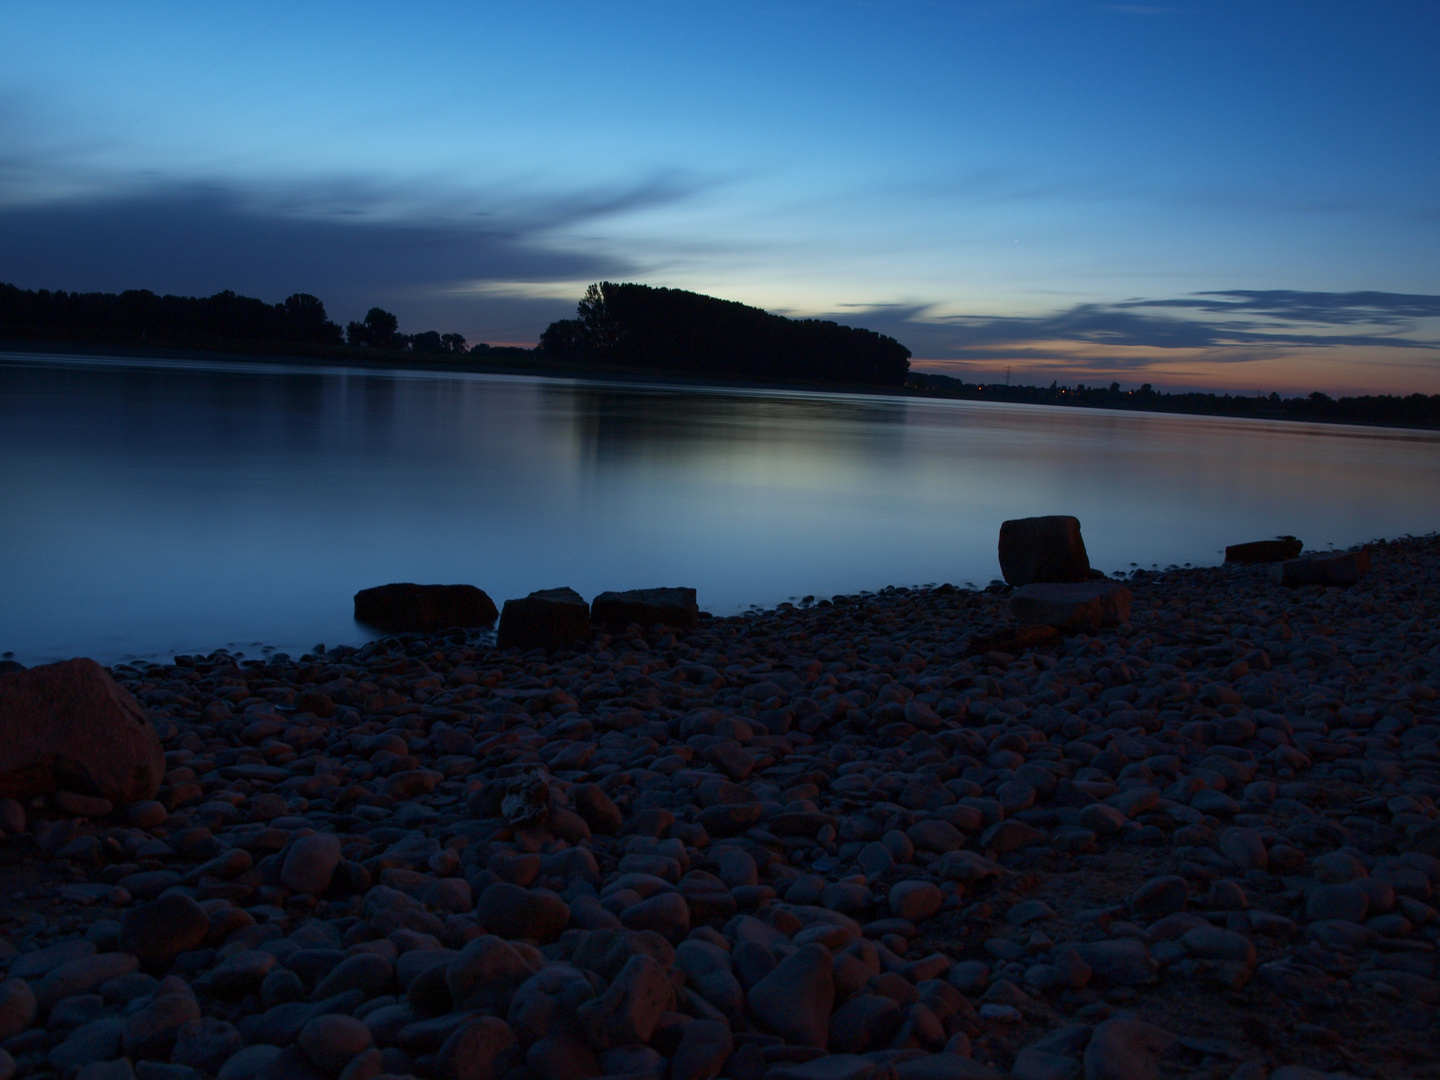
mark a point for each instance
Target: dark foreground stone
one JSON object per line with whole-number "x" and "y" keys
{"x": 646, "y": 607}
{"x": 1084, "y": 606}
{"x": 70, "y": 726}
{"x": 1043, "y": 549}
{"x": 407, "y": 608}
{"x": 546, "y": 619}
{"x": 1343, "y": 568}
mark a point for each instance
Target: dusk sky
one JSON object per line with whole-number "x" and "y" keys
{"x": 1216, "y": 194}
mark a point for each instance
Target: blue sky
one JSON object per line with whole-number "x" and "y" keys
{"x": 1230, "y": 195}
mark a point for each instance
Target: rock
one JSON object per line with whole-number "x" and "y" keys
{"x": 546, "y": 619}
{"x": 597, "y": 808}
{"x": 161, "y": 930}
{"x": 705, "y": 1046}
{"x": 331, "y": 1041}
{"x": 151, "y": 1031}
{"x": 1043, "y": 549}
{"x": 865, "y": 1022}
{"x": 95, "y": 1042}
{"x": 81, "y": 976}
{"x": 1342, "y": 568}
{"x": 1214, "y": 943}
{"x": 206, "y": 1044}
{"x": 1124, "y": 1049}
{"x": 485, "y": 973}
{"x": 364, "y": 971}
{"x": 246, "y": 1063}
{"x": 69, "y": 725}
{"x": 102, "y": 1070}
{"x": 708, "y": 972}
{"x": 1245, "y": 848}
{"x": 1264, "y": 551}
{"x": 311, "y": 862}
{"x": 915, "y": 900}
{"x": 628, "y": 1011}
{"x": 670, "y": 607}
{"x": 1349, "y": 902}
{"x": 17, "y": 1007}
{"x": 1032, "y": 1064}
{"x": 794, "y": 1000}
{"x": 1119, "y": 962}
{"x": 1160, "y": 896}
{"x": 828, "y": 1067}
{"x": 91, "y": 806}
{"x": 1088, "y": 605}
{"x": 512, "y": 912}
{"x": 943, "y": 1067}
{"x": 666, "y": 913}
{"x": 240, "y": 973}
{"x": 561, "y": 1056}
{"x": 1010, "y": 835}
{"x": 546, "y": 1002}
{"x": 406, "y": 608}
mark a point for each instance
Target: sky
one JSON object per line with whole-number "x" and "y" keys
{"x": 1218, "y": 195}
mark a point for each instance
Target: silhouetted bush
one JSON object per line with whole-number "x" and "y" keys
{"x": 671, "y": 330}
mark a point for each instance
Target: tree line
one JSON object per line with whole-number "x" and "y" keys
{"x": 1412, "y": 410}
{"x": 640, "y": 327}
{"x": 141, "y": 317}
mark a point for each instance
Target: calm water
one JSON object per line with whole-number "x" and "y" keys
{"x": 150, "y": 507}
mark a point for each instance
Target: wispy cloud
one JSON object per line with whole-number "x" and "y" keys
{"x": 349, "y": 242}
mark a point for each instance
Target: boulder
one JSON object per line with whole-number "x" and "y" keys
{"x": 546, "y": 619}
{"x": 670, "y": 607}
{"x": 1084, "y": 606}
{"x": 1328, "y": 568}
{"x": 70, "y": 726}
{"x": 1043, "y": 549}
{"x": 405, "y": 608}
{"x": 1264, "y": 551}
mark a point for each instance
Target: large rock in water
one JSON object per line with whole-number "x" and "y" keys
{"x": 406, "y": 608}
{"x": 669, "y": 607}
{"x": 1264, "y": 551}
{"x": 70, "y": 726}
{"x": 546, "y": 619}
{"x": 1085, "y": 606}
{"x": 1043, "y": 549}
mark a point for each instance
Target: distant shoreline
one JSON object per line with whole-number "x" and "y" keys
{"x": 338, "y": 356}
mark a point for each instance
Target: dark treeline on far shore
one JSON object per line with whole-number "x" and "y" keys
{"x": 1414, "y": 410}
{"x": 226, "y": 322}
{"x": 671, "y": 331}
{"x": 618, "y": 330}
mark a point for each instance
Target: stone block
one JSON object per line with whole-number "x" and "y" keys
{"x": 1329, "y": 568}
{"x": 1264, "y": 551}
{"x": 408, "y": 608}
{"x": 546, "y": 619}
{"x": 670, "y": 607}
{"x": 1043, "y": 549}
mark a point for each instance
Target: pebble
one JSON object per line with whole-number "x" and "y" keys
{"x": 310, "y": 864}
{"x": 161, "y": 930}
{"x": 331, "y": 1041}
{"x": 789, "y": 826}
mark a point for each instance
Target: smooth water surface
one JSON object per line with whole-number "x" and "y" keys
{"x": 152, "y": 507}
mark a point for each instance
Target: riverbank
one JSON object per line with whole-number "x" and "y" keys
{"x": 1204, "y": 843}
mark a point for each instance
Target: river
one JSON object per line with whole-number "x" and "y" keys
{"x": 150, "y": 507}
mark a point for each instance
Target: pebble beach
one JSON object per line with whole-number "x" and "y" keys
{"x": 873, "y": 837}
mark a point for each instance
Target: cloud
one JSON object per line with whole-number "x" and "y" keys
{"x": 1325, "y": 308}
{"x": 350, "y": 243}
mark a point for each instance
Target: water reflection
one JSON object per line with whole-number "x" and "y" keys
{"x": 161, "y": 507}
